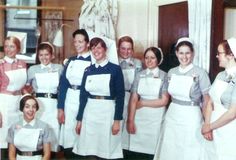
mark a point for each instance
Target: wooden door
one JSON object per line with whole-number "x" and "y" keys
{"x": 173, "y": 24}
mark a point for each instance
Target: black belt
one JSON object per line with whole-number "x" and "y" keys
{"x": 101, "y": 97}
{"x": 46, "y": 95}
{"x": 75, "y": 87}
{"x": 29, "y": 153}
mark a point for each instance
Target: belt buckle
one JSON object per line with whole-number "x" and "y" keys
{"x": 27, "y": 153}
{"x": 99, "y": 97}
{"x": 48, "y": 95}
{"x": 74, "y": 87}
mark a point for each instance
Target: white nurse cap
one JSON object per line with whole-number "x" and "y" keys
{"x": 232, "y": 45}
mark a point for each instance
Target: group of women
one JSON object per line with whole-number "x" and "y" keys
{"x": 92, "y": 107}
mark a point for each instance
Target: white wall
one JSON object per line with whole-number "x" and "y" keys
{"x": 230, "y": 23}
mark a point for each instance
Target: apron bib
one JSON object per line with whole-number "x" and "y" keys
{"x": 48, "y": 106}
{"x": 148, "y": 121}
{"x": 181, "y": 136}
{"x": 26, "y": 140}
{"x": 97, "y": 122}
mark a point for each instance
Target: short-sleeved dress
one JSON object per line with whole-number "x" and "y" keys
{"x": 69, "y": 91}
{"x": 29, "y": 137}
{"x": 101, "y": 102}
{"x": 13, "y": 76}
{"x": 130, "y": 67}
{"x": 181, "y": 137}
{"x": 149, "y": 85}
{"x": 45, "y": 81}
{"x": 223, "y": 94}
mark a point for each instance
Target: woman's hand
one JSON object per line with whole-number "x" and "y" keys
{"x": 208, "y": 136}
{"x": 0, "y": 120}
{"x": 115, "y": 127}
{"x": 78, "y": 127}
{"x": 61, "y": 116}
{"x": 206, "y": 128}
{"x": 131, "y": 127}
{"x": 139, "y": 104}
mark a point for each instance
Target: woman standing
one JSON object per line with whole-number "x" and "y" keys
{"x": 69, "y": 90}
{"x": 221, "y": 109}
{"x": 12, "y": 79}
{"x": 188, "y": 86}
{"x": 130, "y": 66}
{"x": 147, "y": 106}
{"x": 101, "y": 107}
{"x": 29, "y": 138}
{"x": 44, "y": 78}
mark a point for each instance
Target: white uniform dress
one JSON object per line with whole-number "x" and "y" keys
{"x": 45, "y": 81}
{"x": 101, "y": 102}
{"x": 130, "y": 67}
{"x": 69, "y": 92}
{"x": 148, "y": 85}
{"x": 181, "y": 137}
{"x": 28, "y": 138}
{"x": 13, "y": 77}
{"x": 223, "y": 94}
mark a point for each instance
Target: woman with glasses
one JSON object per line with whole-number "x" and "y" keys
{"x": 220, "y": 124}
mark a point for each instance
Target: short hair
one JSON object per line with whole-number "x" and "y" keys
{"x": 157, "y": 52}
{"x": 24, "y": 100}
{"x": 95, "y": 41}
{"x": 16, "y": 41}
{"x": 126, "y": 39}
{"x": 82, "y": 32}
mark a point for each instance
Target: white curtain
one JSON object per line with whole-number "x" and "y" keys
{"x": 200, "y": 30}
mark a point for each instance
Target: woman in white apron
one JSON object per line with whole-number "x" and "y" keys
{"x": 29, "y": 138}
{"x": 130, "y": 66}
{"x": 44, "y": 78}
{"x": 12, "y": 79}
{"x": 69, "y": 91}
{"x": 181, "y": 137}
{"x": 147, "y": 105}
{"x": 101, "y": 107}
{"x": 220, "y": 124}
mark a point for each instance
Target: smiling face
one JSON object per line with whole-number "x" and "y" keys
{"x": 81, "y": 46}
{"x": 125, "y": 50}
{"x": 184, "y": 55}
{"x": 99, "y": 53}
{"x": 45, "y": 57}
{"x": 29, "y": 110}
{"x": 10, "y": 48}
{"x": 150, "y": 60}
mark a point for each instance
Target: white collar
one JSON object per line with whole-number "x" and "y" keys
{"x": 126, "y": 60}
{"x": 84, "y": 55}
{"x": 154, "y": 71}
{"x": 10, "y": 60}
{"x": 101, "y": 64}
{"x": 47, "y": 66}
{"x": 186, "y": 69}
{"x": 31, "y": 123}
{"x": 231, "y": 71}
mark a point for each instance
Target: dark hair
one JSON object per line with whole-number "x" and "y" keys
{"x": 126, "y": 39}
{"x": 226, "y": 47}
{"x": 157, "y": 52}
{"x": 24, "y": 100}
{"x": 82, "y": 32}
{"x": 95, "y": 41}
{"x": 44, "y": 46}
{"x": 189, "y": 44}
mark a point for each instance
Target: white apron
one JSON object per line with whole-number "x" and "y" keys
{"x": 74, "y": 74}
{"x": 224, "y": 139}
{"x": 48, "y": 106}
{"x": 10, "y": 103}
{"x": 26, "y": 140}
{"x": 181, "y": 137}
{"x": 96, "y": 133}
{"x": 128, "y": 79}
{"x": 148, "y": 121}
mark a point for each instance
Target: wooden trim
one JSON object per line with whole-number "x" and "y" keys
{"x": 32, "y": 7}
